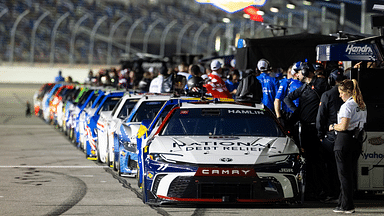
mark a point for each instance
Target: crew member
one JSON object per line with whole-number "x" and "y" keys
{"x": 309, "y": 94}
{"x": 216, "y": 86}
{"x": 269, "y": 84}
{"x": 287, "y": 85}
{"x": 350, "y": 121}
{"x": 330, "y": 104}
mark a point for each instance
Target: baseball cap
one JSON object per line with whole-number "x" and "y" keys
{"x": 263, "y": 65}
{"x": 215, "y": 65}
{"x": 295, "y": 68}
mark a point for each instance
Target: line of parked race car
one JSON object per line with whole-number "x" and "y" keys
{"x": 180, "y": 149}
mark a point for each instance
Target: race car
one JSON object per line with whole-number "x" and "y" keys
{"x": 55, "y": 106}
{"x": 221, "y": 153}
{"x": 48, "y": 97}
{"x": 106, "y": 103}
{"x": 38, "y": 97}
{"x": 125, "y": 150}
{"x": 106, "y": 126}
{"x": 149, "y": 126}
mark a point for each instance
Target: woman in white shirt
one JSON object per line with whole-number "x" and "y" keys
{"x": 351, "y": 119}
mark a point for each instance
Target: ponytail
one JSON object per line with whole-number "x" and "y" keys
{"x": 352, "y": 87}
{"x": 357, "y": 96}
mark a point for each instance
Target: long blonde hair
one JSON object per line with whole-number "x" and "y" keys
{"x": 352, "y": 87}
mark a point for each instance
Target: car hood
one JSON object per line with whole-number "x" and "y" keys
{"x": 223, "y": 150}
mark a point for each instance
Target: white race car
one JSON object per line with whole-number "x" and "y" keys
{"x": 107, "y": 126}
{"x": 220, "y": 152}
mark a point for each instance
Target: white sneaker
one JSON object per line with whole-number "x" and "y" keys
{"x": 349, "y": 211}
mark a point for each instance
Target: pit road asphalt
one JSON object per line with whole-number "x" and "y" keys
{"x": 43, "y": 173}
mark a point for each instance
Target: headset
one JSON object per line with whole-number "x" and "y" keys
{"x": 336, "y": 74}
{"x": 305, "y": 69}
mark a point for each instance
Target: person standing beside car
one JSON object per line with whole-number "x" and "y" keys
{"x": 215, "y": 85}
{"x": 269, "y": 84}
{"x": 348, "y": 145}
{"x": 330, "y": 104}
{"x": 287, "y": 85}
{"x": 309, "y": 94}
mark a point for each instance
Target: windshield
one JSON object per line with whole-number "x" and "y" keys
{"x": 127, "y": 108}
{"x": 147, "y": 110}
{"x": 109, "y": 104}
{"x": 221, "y": 122}
{"x": 84, "y": 97}
{"x": 93, "y": 98}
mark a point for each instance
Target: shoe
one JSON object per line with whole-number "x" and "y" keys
{"x": 349, "y": 211}
{"x": 338, "y": 210}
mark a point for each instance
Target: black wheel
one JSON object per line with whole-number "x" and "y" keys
{"x": 118, "y": 167}
{"x": 115, "y": 164}
{"x": 98, "y": 149}
{"x": 140, "y": 185}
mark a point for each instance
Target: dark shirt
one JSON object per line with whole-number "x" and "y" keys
{"x": 330, "y": 104}
{"x": 309, "y": 94}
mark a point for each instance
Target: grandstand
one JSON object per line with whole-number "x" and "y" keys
{"x": 101, "y": 31}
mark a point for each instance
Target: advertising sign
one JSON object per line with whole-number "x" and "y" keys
{"x": 231, "y": 6}
{"x": 348, "y": 52}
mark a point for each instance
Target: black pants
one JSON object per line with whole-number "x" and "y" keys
{"x": 315, "y": 166}
{"x": 347, "y": 152}
{"x": 331, "y": 176}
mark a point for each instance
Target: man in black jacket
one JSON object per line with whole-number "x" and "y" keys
{"x": 309, "y": 94}
{"x": 330, "y": 104}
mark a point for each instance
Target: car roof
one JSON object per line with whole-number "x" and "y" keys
{"x": 213, "y": 104}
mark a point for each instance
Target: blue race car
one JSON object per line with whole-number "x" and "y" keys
{"x": 107, "y": 103}
{"x": 125, "y": 157}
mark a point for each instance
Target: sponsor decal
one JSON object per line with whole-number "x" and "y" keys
{"x": 360, "y": 52}
{"x": 246, "y": 112}
{"x": 356, "y": 49}
{"x": 142, "y": 131}
{"x": 209, "y": 171}
{"x": 286, "y": 170}
{"x": 184, "y": 112}
{"x": 150, "y": 175}
{"x": 225, "y": 146}
{"x": 372, "y": 155}
{"x": 226, "y": 159}
{"x": 376, "y": 141}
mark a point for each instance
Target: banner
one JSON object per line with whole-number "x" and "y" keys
{"x": 231, "y": 6}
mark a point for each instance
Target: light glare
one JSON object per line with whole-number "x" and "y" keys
{"x": 274, "y": 10}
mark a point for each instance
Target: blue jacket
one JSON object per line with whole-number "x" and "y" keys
{"x": 269, "y": 85}
{"x": 287, "y": 86}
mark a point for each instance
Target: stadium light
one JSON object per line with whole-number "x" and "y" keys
{"x": 246, "y": 16}
{"x": 306, "y": 2}
{"x": 226, "y": 20}
{"x": 290, "y": 6}
{"x": 274, "y": 9}
{"x": 261, "y": 13}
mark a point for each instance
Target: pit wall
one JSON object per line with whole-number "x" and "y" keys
{"x": 43, "y": 73}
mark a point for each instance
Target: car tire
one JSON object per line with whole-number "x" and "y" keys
{"x": 118, "y": 167}
{"x": 98, "y": 149}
